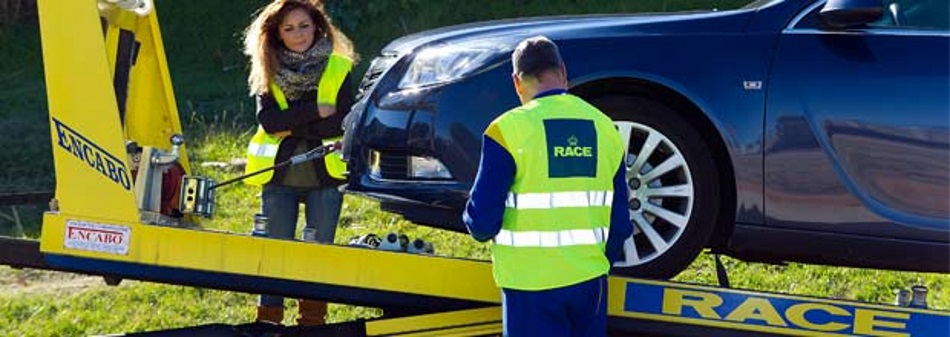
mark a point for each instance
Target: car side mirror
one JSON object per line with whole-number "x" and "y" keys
{"x": 844, "y": 14}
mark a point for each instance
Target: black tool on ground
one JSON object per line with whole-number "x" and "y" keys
{"x": 197, "y": 193}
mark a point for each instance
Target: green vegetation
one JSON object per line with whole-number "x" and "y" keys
{"x": 26, "y": 157}
{"x": 202, "y": 41}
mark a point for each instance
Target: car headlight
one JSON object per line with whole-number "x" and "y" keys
{"x": 446, "y": 63}
{"x": 427, "y": 168}
{"x": 391, "y": 166}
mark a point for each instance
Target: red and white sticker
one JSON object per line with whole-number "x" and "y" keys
{"x": 96, "y": 237}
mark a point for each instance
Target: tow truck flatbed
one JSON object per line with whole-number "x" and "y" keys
{"x": 449, "y": 296}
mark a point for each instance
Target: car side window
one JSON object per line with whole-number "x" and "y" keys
{"x": 915, "y": 14}
{"x": 900, "y": 14}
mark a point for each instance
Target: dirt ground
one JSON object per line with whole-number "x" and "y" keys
{"x": 19, "y": 281}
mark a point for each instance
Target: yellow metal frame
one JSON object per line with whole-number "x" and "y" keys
{"x": 93, "y": 175}
{"x": 222, "y": 252}
{"x": 473, "y": 322}
{"x": 88, "y": 137}
{"x": 96, "y": 218}
{"x": 706, "y": 306}
{"x": 81, "y": 98}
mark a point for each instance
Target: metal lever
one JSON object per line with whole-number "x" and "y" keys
{"x": 316, "y": 153}
{"x": 197, "y": 193}
{"x": 163, "y": 158}
{"x": 140, "y": 7}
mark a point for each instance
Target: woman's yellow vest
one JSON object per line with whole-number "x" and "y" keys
{"x": 557, "y": 215}
{"x": 262, "y": 150}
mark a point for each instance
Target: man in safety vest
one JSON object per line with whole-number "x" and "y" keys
{"x": 550, "y": 193}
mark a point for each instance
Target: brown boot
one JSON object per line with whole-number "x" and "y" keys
{"x": 270, "y": 314}
{"x": 311, "y": 312}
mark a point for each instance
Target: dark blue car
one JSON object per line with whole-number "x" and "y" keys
{"x": 782, "y": 131}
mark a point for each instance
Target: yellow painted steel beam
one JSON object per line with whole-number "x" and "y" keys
{"x": 473, "y": 322}
{"x": 88, "y": 144}
{"x": 242, "y": 254}
{"x": 702, "y": 306}
{"x": 152, "y": 112}
{"x": 88, "y": 136}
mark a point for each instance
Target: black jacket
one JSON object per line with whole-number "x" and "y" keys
{"x": 305, "y": 125}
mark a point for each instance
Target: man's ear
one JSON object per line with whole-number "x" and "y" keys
{"x": 563, "y": 70}
{"x": 519, "y": 87}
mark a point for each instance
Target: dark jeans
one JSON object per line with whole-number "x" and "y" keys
{"x": 578, "y": 310}
{"x": 281, "y": 204}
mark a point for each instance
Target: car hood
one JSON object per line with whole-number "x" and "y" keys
{"x": 568, "y": 27}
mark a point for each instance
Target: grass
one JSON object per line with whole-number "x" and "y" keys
{"x": 26, "y": 156}
{"x": 202, "y": 42}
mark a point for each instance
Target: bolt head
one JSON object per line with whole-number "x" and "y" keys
{"x": 635, "y": 204}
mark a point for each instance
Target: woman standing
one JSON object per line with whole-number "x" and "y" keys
{"x": 300, "y": 66}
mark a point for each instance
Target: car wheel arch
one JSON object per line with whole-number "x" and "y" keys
{"x": 689, "y": 111}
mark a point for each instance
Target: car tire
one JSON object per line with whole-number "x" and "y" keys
{"x": 673, "y": 213}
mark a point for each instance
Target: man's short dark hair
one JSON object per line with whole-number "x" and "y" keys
{"x": 535, "y": 55}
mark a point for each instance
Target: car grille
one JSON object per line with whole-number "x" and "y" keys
{"x": 392, "y": 165}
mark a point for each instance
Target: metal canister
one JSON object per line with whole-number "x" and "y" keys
{"x": 310, "y": 234}
{"x": 420, "y": 246}
{"x": 260, "y": 225}
{"x": 903, "y": 298}
{"x": 919, "y": 298}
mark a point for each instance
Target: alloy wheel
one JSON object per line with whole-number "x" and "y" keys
{"x": 660, "y": 192}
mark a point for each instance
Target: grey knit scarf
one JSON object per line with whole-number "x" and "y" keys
{"x": 300, "y": 72}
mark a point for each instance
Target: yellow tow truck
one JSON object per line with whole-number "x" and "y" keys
{"x": 125, "y": 204}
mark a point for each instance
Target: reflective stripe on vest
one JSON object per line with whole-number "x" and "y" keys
{"x": 261, "y": 152}
{"x": 262, "y": 149}
{"x": 570, "y": 237}
{"x": 559, "y": 199}
{"x": 554, "y": 227}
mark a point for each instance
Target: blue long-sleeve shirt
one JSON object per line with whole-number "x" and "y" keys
{"x": 496, "y": 173}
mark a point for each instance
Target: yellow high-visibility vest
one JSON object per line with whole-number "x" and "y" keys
{"x": 557, "y": 214}
{"x": 262, "y": 150}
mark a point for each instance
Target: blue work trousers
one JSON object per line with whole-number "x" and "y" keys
{"x": 281, "y": 204}
{"x": 578, "y": 310}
